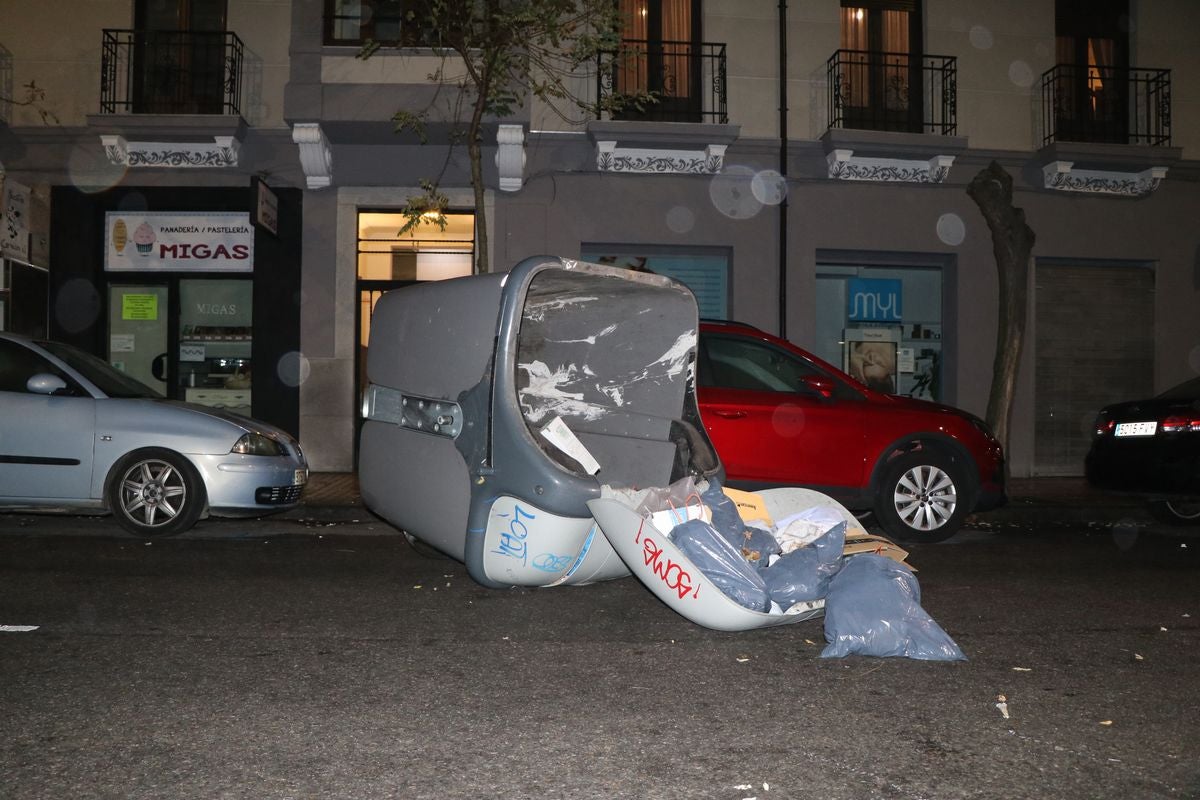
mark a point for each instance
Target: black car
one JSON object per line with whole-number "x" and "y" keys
{"x": 1152, "y": 448}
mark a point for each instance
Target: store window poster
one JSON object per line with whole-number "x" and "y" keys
{"x": 706, "y": 275}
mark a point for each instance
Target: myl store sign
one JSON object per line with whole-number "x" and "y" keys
{"x": 873, "y": 300}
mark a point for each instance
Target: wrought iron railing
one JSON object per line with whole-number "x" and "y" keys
{"x": 874, "y": 90}
{"x": 684, "y": 81}
{"x": 170, "y": 72}
{"x": 1084, "y": 103}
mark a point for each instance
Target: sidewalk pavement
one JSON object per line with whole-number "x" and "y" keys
{"x": 1031, "y": 501}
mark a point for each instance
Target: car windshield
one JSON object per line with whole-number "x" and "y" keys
{"x": 1188, "y": 390}
{"x": 108, "y": 379}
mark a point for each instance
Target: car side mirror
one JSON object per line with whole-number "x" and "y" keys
{"x": 822, "y": 386}
{"x": 45, "y": 383}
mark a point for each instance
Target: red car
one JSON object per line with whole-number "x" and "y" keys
{"x": 780, "y": 416}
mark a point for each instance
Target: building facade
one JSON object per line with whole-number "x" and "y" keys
{"x": 804, "y": 169}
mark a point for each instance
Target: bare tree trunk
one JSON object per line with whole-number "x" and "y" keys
{"x": 1012, "y": 245}
{"x": 475, "y": 151}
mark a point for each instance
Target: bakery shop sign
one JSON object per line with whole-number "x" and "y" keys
{"x": 160, "y": 242}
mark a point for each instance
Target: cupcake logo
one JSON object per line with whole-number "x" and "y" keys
{"x": 143, "y": 238}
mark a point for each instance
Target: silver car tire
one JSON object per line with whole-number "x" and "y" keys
{"x": 922, "y": 498}
{"x": 155, "y": 492}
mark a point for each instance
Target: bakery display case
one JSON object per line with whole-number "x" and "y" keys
{"x": 215, "y": 340}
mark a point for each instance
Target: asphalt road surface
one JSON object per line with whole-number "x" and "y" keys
{"x": 299, "y": 659}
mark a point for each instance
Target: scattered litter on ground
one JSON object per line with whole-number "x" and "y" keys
{"x": 1002, "y": 705}
{"x": 1106, "y": 722}
{"x": 1022, "y": 669}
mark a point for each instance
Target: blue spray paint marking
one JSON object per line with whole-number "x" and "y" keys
{"x": 587, "y": 545}
{"x": 549, "y": 562}
{"x": 513, "y": 541}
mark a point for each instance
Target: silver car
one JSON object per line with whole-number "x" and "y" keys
{"x": 77, "y": 434}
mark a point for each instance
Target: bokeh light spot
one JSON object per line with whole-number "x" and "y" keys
{"x": 732, "y": 194}
{"x": 293, "y": 368}
{"x": 788, "y": 420}
{"x": 1125, "y": 534}
{"x": 77, "y": 306}
{"x": 769, "y": 187}
{"x": 951, "y": 229}
{"x": 1021, "y": 74}
{"x": 680, "y": 219}
{"x": 981, "y": 37}
{"x": 91, "y": 172}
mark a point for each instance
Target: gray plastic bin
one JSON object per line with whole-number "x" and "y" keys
{"x": 464, "y": 375}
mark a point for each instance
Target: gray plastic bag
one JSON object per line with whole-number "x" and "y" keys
{"x": 722, "y": 564}
{"x": 805, "y": 573}
{"x": 756, "y": 545}
{"x": 873, "y": 608}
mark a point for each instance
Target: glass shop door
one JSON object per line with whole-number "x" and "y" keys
{"x": 137, "y": 332}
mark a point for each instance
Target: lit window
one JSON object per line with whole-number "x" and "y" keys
{"x": 427, "y": 253}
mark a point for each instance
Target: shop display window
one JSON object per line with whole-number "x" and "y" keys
{"x": 883, "y": 326}
{"x": 215, "y": 338}
{"x": 704, "y": 270}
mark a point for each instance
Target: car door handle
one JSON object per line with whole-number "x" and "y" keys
{"x": 730, "y": 414}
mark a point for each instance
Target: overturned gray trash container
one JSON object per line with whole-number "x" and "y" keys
{"x": 501, "y": 407}
{"x": 465, "y": 376}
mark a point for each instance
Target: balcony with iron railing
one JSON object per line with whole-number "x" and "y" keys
{"x": 878, "y": 91}
{"x": 1106, "y": 105}
{"x": 681, "y": 81}
{"x": 171, "y": 72}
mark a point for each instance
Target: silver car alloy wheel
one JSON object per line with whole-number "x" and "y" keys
{"x": 153, "y": 493}
{"x": 925, "y": 497}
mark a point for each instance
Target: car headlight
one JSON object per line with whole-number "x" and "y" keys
{"x": 255, "y": 444}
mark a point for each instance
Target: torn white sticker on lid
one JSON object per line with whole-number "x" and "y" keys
{"x": 562, "y": 437}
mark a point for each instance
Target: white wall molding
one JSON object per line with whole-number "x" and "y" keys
{"x": 611, "y": 158}
{"x": 221, "y": 152}
{"x": 510, "y": 156}
{"x": 316, "y": 157}
{"x": 844, "y": 165}
{"x": 1063, "y": 176}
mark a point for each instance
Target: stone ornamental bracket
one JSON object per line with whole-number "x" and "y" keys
{"x": 223, "y": 152}
{"x": 316, "y": 158}
{"x": 1063, "y": 176}
{"x": 845, "y": 166}
{"x": 510, "y": 157}
{"x": 610, "y": 158}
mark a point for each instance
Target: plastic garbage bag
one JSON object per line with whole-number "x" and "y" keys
{"x": 722, "y": 564}
{"x": 804, "y": 527}
{"x": 873, "y": 608}
{"x": 668, "y": 506}
{"x": 757, "y": 545}
{"x": 725, "y": 516}
{"x": 806, "y": 572}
